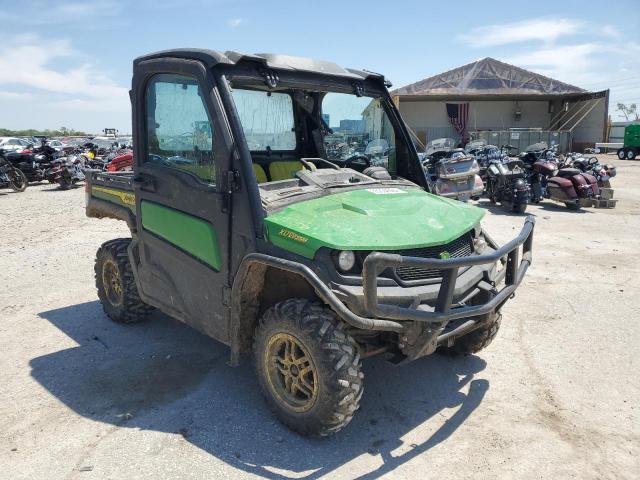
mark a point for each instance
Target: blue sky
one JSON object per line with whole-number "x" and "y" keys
{"x": 68, "y": 63}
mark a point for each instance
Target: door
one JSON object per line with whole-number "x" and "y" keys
{"x": 182, "y": 218}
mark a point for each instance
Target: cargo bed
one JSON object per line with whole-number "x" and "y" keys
{"x": 111, "y": 195}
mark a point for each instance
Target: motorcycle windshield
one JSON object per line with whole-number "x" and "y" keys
{"x": 439, "y": 144}
{"x": 537, "y": 147}
{"x": 475, "y": 145}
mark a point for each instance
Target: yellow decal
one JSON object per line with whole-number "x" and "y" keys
{"x": 125, "y": 197}
{"x": 293, "y": 236}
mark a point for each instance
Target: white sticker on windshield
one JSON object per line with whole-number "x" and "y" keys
{"x": 385, "y": 191}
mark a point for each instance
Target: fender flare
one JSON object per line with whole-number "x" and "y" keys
{"x": 321, "y": 289}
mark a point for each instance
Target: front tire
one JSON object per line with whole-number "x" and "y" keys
{"x": 309, "y": 369}
{"x": 622, "y": 154}
{"x": 116, "y": 286}
{"x": 18, "y": 180}
{"x": 478, "y": 339}
{"x": 65, "y": 183}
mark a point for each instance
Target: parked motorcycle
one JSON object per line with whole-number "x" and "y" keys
{"x": 10, "y": 176}
{"x": 450, "y": 171}
{"x": 34, "y": 162}
{"x": 551, "y": 178}
{"x": 66, "y": 171}
{"x": 592, "y": 166}
{"x": 485, "y": 154}
{"x": 507, "y": 184}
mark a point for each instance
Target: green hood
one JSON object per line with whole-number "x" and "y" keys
{"x": 371, "y": 219}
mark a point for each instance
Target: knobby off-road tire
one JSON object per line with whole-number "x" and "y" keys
{"x": 116, "y": 286}
{"x": 478, "y": 339}
{"x": 325, "y": 364}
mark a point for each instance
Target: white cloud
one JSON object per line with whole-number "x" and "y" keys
{"x": 6, "y": 95}
{"x": 37, "y": 73}
{"x": 81, "y": 95}
{"x": 611, "y": 31}
{"x": 235, "y": 22}
{"x": 34, "y": 13}
{"x": 537, "y": 29}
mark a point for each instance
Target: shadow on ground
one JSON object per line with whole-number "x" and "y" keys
{"x": 162, "y": 375}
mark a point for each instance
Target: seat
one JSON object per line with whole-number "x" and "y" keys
{"x": 568, "y": 172}
{"x": 258, "y": 171}
{"x": 284, "y": 170}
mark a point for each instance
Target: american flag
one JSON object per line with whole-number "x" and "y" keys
{"x": 458, "y": 115}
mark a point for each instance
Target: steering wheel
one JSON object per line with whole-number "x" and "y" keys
{"x": 358, "y": 163}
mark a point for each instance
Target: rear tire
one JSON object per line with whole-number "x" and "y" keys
{"x": 572, "y": 206}
{"x": 478, "y": 339}
{"x": 631, "y": 154}
{"x": 622, "y": 154}
{"x": 116, "y": 286}
{"x": 65, "y": 183}
{"x": 309, "y": 369}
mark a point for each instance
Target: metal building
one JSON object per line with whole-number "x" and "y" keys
{"x": 504, "y": 104}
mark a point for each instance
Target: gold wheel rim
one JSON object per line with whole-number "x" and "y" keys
{"x": 112, "y": 282}
{"x": 292, "y": 375}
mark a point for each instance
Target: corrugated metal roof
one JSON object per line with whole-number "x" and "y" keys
{"x": 488, "y": 76}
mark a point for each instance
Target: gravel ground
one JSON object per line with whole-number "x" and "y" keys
{"x": 555, "y": 396}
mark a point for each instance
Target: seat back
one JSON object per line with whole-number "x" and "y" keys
{"x": 284, "y": 170}
{"x": 261, "y": 176}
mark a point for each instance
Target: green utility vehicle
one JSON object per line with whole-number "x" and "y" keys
{"x": 278, "y": 205}
{"x": 631, "y": 146}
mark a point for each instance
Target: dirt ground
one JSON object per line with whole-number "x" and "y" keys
{"x": 557, "y": 395}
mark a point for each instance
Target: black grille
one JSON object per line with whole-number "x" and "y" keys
{"x": 460, "y": 247}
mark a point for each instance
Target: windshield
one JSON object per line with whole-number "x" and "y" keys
{"x": 440, "y": 144}
{"x": 358, "y": 127}
{"x": 475, "y": 144}
{"x": 537, "y": 146}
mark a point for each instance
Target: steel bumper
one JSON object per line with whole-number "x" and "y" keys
{"x": 516, "y": 267}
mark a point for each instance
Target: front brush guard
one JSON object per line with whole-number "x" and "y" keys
{"x": 516, "y": 268}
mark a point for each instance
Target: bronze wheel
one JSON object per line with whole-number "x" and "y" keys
{"x": 308, "y": 367}
{"x": 112, "y": 282}
{"x": 116, "y": 285}
{"x": 291, "y": 373}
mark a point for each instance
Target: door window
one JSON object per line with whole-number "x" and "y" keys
{"x": 179, "y": 129}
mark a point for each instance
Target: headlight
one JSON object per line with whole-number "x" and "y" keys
{"x": 346, "y": 260}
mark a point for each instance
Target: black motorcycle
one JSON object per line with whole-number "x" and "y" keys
{"x": 507, "y": 184}
{"x": 10, "y": 176}
{"x": 34, "y": 162}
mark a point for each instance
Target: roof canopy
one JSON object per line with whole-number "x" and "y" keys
{"x": 282, "y": 62}
{"x": 488, "y": 76}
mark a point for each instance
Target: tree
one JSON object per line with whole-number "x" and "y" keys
{"x": 630, "y": 111}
